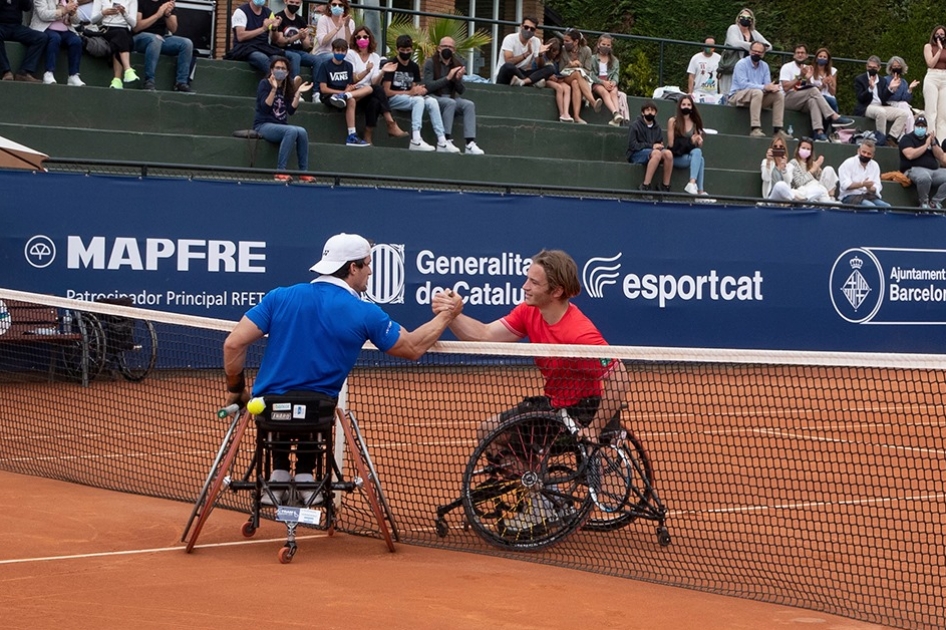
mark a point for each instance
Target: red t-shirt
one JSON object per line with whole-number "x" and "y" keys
{"x": 567, "y": 380}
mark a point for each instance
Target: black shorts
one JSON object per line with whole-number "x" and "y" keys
{"x": 582, "y": 412}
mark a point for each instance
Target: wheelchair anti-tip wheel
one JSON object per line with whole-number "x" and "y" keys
{"x": 524, "y": 488}
{"x": 622, "y": 483}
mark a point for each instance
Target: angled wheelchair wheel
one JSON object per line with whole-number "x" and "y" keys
{"x": 524, "y": 487}
{"x": 371, "y": 484}
{"x": 220, "y": 472}
{"x": 137, "y": 360}
{"x": 90, "y": 349}
{"x": 621, "y": 480}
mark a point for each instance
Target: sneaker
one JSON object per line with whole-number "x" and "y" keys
{"x": 472, "y": 149}
{"x": 892, "y": 142}
{"x": 26, "y": 77}
{"x": 74, "y": 80}
{"x": 7, "y": 76}
{"x": 665, "y": 187}
{"x": 354, "y": 141}
{"x": 691, "y": 189}
{"x": 936, "y": 205}
{"x": 537, "y": 511}
{"x": 516, "y": 81}
{"x": 148, "y": 85}
{"x": 282, "y": 177}
{"x": 447, "y": 147}
{"x": 566, "y": 119}
{"x": 819, "y": 136}
{"x": 616, "y": 120}
{"x": 184, "y": 88}
{"x": 597, "y": 105}
{"x": 130, "y": 76}
{"x": 307, "y": 179}
{"x": 277, "y": 476}
{"x": 338, "y": 101}
{"x": 308, "y": 497}
{"x": 540, "y": 83}
{"x": 420, "y": 145}
{"x": 924, "y": 205}
{"x": 757, "y": 133}
{"x": 842, "y": 121}
{"x": 116, "y": 84}
{"x": 644, "y": 187}
{"x": 48, "y": 78}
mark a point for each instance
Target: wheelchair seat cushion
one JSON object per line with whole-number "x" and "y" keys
{"x": 297, "y": 410}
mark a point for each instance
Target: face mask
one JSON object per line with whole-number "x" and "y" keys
{"x": 339, "y": 56}
{"x": 864, "y": 159}
{"x": 896, "y": 70}
{"x": 259, "y": 3}
{"x": 804, "y": 153}
{"x": 338, "y": 11}
{"x": 292, "y": 8}
{"x": 744, "y": 21}
{"x": 404, "y": 56}
{"x": 872, "y": 72}
{"x": 526, "y": 34}
{"x": 941, "y": 38}
{"x": 569, "y": 47}
{"x": 755, "y": 57}
{"x": 362, "y": 43}
{"x": 685, "y": 111}
{"x": 447, "y": 54}
{"x": 649, "y": 117}
{"x": 280, "y": 75}
{"x": 919, "y": 131}
{"x": 604, "y": 50}
{"x": 707, "y": 51}
{"x": 822, "y": 62}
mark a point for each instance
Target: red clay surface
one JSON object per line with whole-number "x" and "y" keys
{"x": 128, "y": 570}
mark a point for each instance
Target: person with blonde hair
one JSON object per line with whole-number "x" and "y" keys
{"x": 741, "y": 34}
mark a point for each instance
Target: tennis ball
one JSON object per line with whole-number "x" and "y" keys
{"x": 256, "y": 406}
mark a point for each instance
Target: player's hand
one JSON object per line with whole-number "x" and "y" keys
{"x": 238, "y": 399}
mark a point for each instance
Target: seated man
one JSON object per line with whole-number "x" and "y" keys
{"x": 518, "y": 52}
{"x": 402, "y": 86}
{"x": 336, "y": 84}
{"x": 859, "y": 177}
{"x": 702, "y": 80}
{"x": 871, "y": 93}
{"x": 646, "y": 146}
{"x": 443, "y": 78}
{"x": 252, "y": 23}
{"x": 154, "y": 36}
{"x": 753, "y": 87}
{"x": 920, "y": 159}
{"x": 294, "y": 38}
{"x": 802, "y": 96}
{"x": 13, "y": 30}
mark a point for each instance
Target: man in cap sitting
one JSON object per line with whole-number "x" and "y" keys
{"x": 920, "y": 160}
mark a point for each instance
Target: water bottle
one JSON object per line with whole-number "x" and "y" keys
{"x": 67, "y": 322}
{"x": 791, "y": 132}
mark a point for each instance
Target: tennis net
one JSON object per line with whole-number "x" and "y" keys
{"x": 803, "y": 479}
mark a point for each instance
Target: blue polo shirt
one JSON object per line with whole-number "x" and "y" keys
{"x": 316, "y": 332}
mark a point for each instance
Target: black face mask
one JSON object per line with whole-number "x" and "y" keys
{"x": 864, "y": 159}
{"x": 404, "y": 56}
{"x": 755, "y": 57}
{"x": 896, "y": 70}
{"x": 649, "y": 117}
{"x": 685, "y": 111}
{"x": 447, "y": 54}
{"x": 744, "y": 21}
{"x": 872, "y": 72}
{"x": 291, "y": 8}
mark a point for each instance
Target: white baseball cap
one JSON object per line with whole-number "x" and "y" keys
{"x": 340, "y": 249}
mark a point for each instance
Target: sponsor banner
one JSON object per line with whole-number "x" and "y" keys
{"x": 657, "y": 275}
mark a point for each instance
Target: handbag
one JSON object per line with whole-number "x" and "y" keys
{"x": 728, "y": 61}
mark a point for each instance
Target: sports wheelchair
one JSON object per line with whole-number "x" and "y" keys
{"x": 314, "y": 503}
{"x": 532, "y": 482}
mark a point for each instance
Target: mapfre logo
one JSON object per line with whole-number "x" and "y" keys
{"x": 40, "y": 251}
{"x": 386, "y": 283}
{"x": 857, "y": 285}
{"x": 599, "y": 273}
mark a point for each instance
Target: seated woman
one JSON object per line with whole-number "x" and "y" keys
{"x": 276, "y": 99}
{"x": 58, "y": 20}
{"x": 685, "y": 138}
{"x": 605, "y": 72}
{"x": 811, "y": 180}
{"x": 118, "y": 19}
{"x": 823, "y": 77}
{"x": 899, "y": 93}
{"x": 576, "y": 56}
{"x": 776, "y": 172}
{"x": 547, "y": 74}
{"x": 366, "y": 63}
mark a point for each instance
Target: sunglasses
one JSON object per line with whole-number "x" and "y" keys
{"x": 529, "y": 28}
{"x": 357, "y": 37}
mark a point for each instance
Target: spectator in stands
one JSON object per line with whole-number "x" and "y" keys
{"x": 337, "y": 23}
{"x": 252, "y": 24}
{"x": 702, "y": 77}
{"x": 277, "y": 98}
{"x": 337, "y": 89}
{"x": 366, "y": 63}
{"x": 295, "y": 39}
{"x": 871, "y": 94}
{"x": 403, "y": 87}
{"x": 12, "y": 30}
{"x": 58, "y": 19}
{"x": 860, "y": 178}
{"x": 685, "y": 137}
{"x": 934, "y": 83}
{"x": 776, "y": 171}
{"x": 545, "y": 73}
{"x": 157, "y": 23}
{"x": 576, "y": 59}
{"x": 801, "y": 95}
{"x": 742, "y": 34}
{"x": 753, "y": 87}
{"x": 901, "y": 92}
{"x": 920, "y": 159}
{"x": 811, "y": 179}
{"x": 518, "y": 52}
{"x": 824, "y": 77}
{"x": 118, "y": 18}
{"x": 443, "y": 78}
{"x": 605, "y": 72}
{"x": 646, "y": 146}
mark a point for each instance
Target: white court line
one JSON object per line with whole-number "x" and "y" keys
{"x": 61, "y": 458}
{"x": 105, "y": 554}
{"x": 811, "y": 438}
{"x": 813, "y": 504}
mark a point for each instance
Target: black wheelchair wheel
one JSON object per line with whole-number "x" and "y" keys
{"x": 91, "y": 348}
{"x": 622, "y": 483}
{"x": 138, "y": 358}
{"x": 524, "y": 487}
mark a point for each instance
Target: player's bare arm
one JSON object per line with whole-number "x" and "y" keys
{"x": 413, "y": 344}
{"x": 234, "y": 358}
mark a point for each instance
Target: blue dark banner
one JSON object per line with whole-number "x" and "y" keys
{"x": 655, "y": 275}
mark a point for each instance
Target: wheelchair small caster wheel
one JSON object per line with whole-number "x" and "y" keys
{"x": 663, "y": 536}
{"x": 248, "y": 530}
{"x": 442, "y": 528}
{"x": 286, "y": 554}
